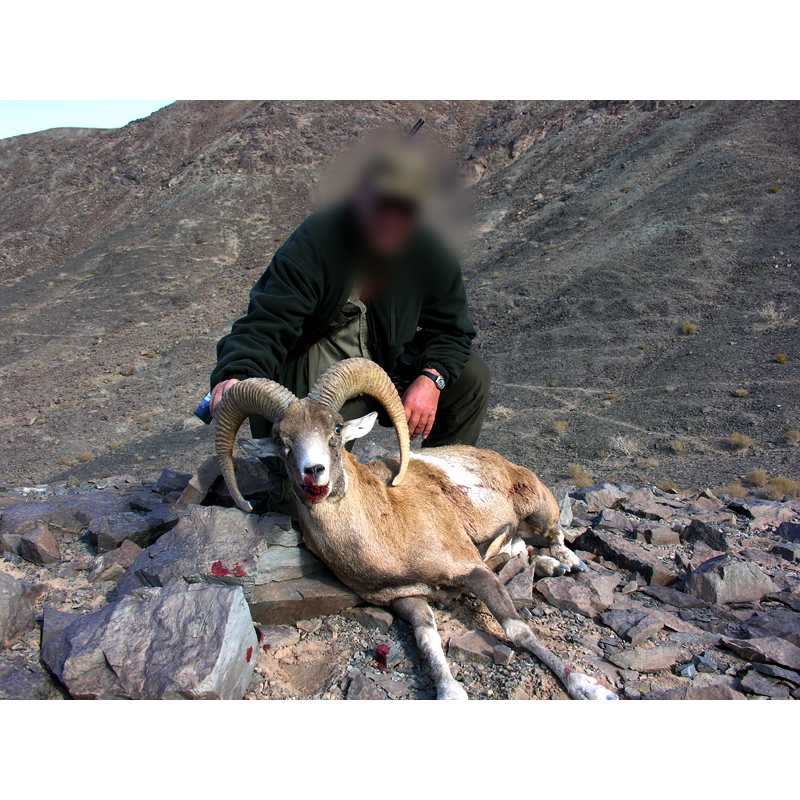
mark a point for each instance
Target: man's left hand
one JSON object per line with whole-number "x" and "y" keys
{"x": 420, "y": 401}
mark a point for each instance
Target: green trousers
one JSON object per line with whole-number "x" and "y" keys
{"x": 459, "y": 419}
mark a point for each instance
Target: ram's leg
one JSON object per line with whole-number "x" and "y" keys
{"x": 485, "y": 585}
{"x": 554, "y": 536}
{"x": 417, "y": 613}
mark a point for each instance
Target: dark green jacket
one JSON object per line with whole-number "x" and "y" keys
{"x": 306, "y": 286}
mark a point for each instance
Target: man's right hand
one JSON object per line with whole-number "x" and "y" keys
{"x": 217, "y": 392}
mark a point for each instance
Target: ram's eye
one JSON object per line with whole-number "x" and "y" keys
{"x": 278, "y": 441}
{"x": 337, "y": 430}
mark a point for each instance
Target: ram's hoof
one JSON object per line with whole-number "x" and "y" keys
{"x": 584, "y": 687}
{"x": 579, "y": 567}
{"x": 453, "y": 691}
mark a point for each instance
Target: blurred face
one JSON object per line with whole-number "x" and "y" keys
{"x": 386, "y": 224}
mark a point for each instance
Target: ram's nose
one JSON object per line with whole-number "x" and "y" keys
{"x": 316, "y": 472}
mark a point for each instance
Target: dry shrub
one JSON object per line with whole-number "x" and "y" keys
{"x": 559, "y": 426}
{"x": 501, "y": 412}
{"x": 780, "y": 358}
{"x": 669, "y": 486}
{"x": 779, "y": 487}
{"x": 757, "y": 478}
{"x": 740, "y": 393}
{"x": 579, "y": 476}
{"x": 738, "y": 441}
{"x": 626, "y": 445}
{"x": 689, "y": 329}
{"x": 611, "y": 397}
{"x": 793, "y": 438}
{"x": 734, "y": 489}
{"x": 773, "y": 317}
{"x": 677, "y": 447}
{"x": 85, "y": 456}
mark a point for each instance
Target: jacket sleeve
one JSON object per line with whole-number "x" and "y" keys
{"x": 447, "y": 333}
{"x": 285, "y": 296}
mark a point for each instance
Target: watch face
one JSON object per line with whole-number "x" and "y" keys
{"x": 439, "y": 383}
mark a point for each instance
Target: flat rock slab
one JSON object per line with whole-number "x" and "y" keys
{"x": 628, "y": 556}
{"x": 651, "y": 660}
{"x": 224, "y": 546}
{"x": 604, "y": 495}
{"x": 789, "y": 552}
{"x": 372, "y": 617}
{"x": 588, "y": 595}
{"x": 273, "y": 637}
{"x": 16, "y": 614}
{"x": 768, "y": 649}
{"x": 475, "y": 647}
{"x": 286, "y": 602}
{"x": 756, "y": 683}
{"x": 109, "y": 532}
{"x": 180, "y": 642}
{"x": 714, "y": 691}
{"x": 632, "y": 626}
{"x": 672, "y": 597}
{"x": 726, "y": 580}
{"x": 775, "y": 622}
{"x": 766, "y": 513}
{"x": 659, "y": 535}
{"x": 364, "y": 688}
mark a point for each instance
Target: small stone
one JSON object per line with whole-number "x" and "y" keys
{"x": 705, "y": 664}
{"x": 726, "y": 580}
{"x": 474, "y": 647}
{"x": 588, "y": 595}
{"x": 371, "y": 617}
{"x": 503, "y": 655}
{"x": 651, "y": 660}
{"x": 363, "y": 688}
{"x": 39, "y": 546}
{"x": 687, "y": 670}
{"x": 308, "y": 625}
{"x": 388, "y": 656}
{"x": 112, "y": 565}
{"x": 16, "y": 614}
{"x": 756, "y": 683}
{"x": 272, "y": 637}
{"x": 520, "y": 588}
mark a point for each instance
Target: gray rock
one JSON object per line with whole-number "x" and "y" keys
{"x": 778, "y": 672}
{"x": 251, "y": 477}
{"x": 371, "y": 617}
{"x": 25, "y": 684}
{"x": 317, "y": 595}
{"x": 272, "y": 637}
{"x": 600, "y": 496}
{"x": 698, "y": 531}
{"x": 767, "y": 512}
{"x": 790, "y": 552}
{"x": 39, "y": 546}
{"x": 589, "y": 594}
{"x": 226, "y": 546}
{"x": 16, "y": 614}
{"x": 627, "y": 555}
{"x": 54, "y": 622}
{"x": 520, "y": 588}
{"x": 768, "y": 649}
{"x": 660, "y": 535}
{"x": 190, "y": 642}
{"x": 687, "y": 670}
{"x": 652, "y": 660}
{"x": 775, "y": 622}
{"x": 704, "y": 664}
{"x": 111, "y": 531}
{"x": 363, "y": 688}
{"x": 612, "y": 520}
{"x": 726, "y": 580}
{"x": 633, "y": 626}
{"x": 756, "y": 683}
{"x": 473, "y": 647}
{"x": 170, "y": 481}
{"x": 672, "y": 597}
{"x": 503, "y": 655}
{"x": 112, "y": 565}
{"x": 790, "y": 531}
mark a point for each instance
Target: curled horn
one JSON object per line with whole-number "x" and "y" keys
{"x": 356, "y": 376}
{"x": 255, "y": 396}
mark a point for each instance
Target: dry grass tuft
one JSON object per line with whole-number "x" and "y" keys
{"x": 792, "y": 438}
{"x": 677, "y": 447}
{"x": 626, "y": 445}
{"x": 771, "y": 316}
{"x": 559, "y": 426}
{"x": 734, "y": 489}
{"x": 501, "y": 412}
{"x": 740, "y": 393}
{"x": 779, "y": 487}
{"x": 689, "y": 329}
{"x": 85, "y": 456}
{"x": 757, "y": 478}
{"x": 669, "y": 486}
{"x": 579, "y": 476}
{"x": 780, "y": 358}
{"x": 611, "y": 397}
{"x": 738, "y": 441}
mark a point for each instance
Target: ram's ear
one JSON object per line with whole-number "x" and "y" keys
{"x": 261, "y": 448}
{"x": 356, "y": 428}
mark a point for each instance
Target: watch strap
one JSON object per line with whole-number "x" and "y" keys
{"x": 437, "y": 379}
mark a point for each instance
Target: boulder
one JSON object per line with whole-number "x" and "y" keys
{"x": 628, "y": 556}
{"x": 39, "y": 546}
{"x": 778, "y": 672}
{"x": 660, "y": 535}
{"x": 588, "y": 595}
{"x": 110, "y": 566}
{"x": 503, "y": 655}
{"x": 726, "y": 580}
{"x": 252, "y": 480}
{"x": 790, "y": 531}
{"x": 713, "y": 691}
{"x": 600, "y": 496}
{"x": 653, "y": 659}
{"x": 766, "y": 513}
{"x": 178, "y": 642}
{"x": 698, "y": 531}
{"x": 612, "y": 520}
{"x": 25, "y": 684}
{"x": 473, "y": 647}
{"x": 54, "y": 622}
{"x": 226, "y": 546}
{"x": 16, "y": 614}
{"x": 769, "y": 649}
{"x": 109, "y": 532}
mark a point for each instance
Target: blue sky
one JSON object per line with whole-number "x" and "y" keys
{"x": 28, "y": 116}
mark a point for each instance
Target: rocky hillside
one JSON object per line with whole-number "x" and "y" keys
{"x": 632, "y": 272}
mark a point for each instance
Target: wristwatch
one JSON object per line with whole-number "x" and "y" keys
{"x": 437, "y": 379}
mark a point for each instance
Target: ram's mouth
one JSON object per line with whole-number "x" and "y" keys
{"x": 316, "y": 494}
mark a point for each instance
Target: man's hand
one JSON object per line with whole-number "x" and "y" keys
{"x": 421, "y": 400}
{"x": 217, "y": 392}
